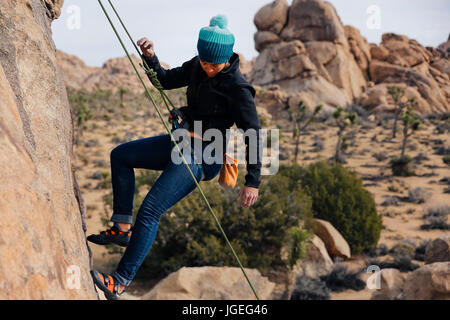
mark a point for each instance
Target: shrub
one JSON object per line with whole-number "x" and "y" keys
{"x": 446, "y": 160}
{"x": 418, "y": 195}
{"x": 341, "y": 279}
{"x": 339, "y": 197}
{"x": 436, "y": 223}
{"x": 380, "y": 250}
{"x": 419, "y": 254}
{"x": 402, "y": 263}
{"x": 189, "y": 236}
{"x": 402, "y": 166}
{"x": 390, "y": 201}
{"x": 310, "y": 289}
{"x": 380, "y": 156}
{"x": 403, "y": 249}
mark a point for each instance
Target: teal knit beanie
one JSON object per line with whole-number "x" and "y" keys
{"x": 215, "y": 42}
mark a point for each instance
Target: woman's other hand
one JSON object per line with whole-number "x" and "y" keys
{"x": 249, "y": 195}
{"x": 147, "y": 47}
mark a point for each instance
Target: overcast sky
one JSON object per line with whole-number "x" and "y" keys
{"x": 173, "y": 25}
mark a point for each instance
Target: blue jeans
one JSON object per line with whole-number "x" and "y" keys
{"x": 174, "y": 183}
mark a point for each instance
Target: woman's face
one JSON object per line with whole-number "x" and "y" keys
{"x": 212, "y": 69}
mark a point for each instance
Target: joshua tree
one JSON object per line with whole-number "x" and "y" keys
{"x": 410, "y": 123}
{"x": 400, "y": 166}
{"x": 342, "y": 121}
{"x": 397, "y": 94}
{"x": 298, "y": 117}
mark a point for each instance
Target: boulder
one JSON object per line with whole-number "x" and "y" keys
{"x": 43, "y": 248}
{"x": 443, "y": 65}
{"x": 438, "y": 250}
{"x": 359, "y": 48}
{"x": 211, "y": 283}
{"x": 314, "y": 20}
{"x": 391, "y": 285}
{"x": 403, "y": 51}
{"x": 272, "y": 17}
{"x": 316, "y": 90}
{"x": 420, "y": 77}
{"x": 379, "y": 52}
{"x": 317, "y": 261}
{"x": 334, "y": 241}
{"x": 288, "y": 49}
{"x": 273, "y": 100}
{"x": 264, "y": 39}
{"x": 378, "y": 100}
{"x": 430, "y": 282}
{"x": 345, "y": 73}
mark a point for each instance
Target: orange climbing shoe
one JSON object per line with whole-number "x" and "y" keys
{"x": 108, "y": 284}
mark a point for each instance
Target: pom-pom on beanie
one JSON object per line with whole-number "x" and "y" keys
{"x": 215, "y": 42}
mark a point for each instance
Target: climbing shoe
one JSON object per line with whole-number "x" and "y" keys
{"x": 108, "y": 284}
{"x": 112, "y": 235}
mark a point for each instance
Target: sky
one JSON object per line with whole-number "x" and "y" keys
{"x": 173, "y": 25}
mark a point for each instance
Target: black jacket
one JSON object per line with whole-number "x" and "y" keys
{"x": 218, "y": 102}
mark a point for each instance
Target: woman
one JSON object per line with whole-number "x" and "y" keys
{"x": 219, "y": 96}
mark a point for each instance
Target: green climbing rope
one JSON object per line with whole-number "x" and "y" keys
{"x": 154, "y": 79}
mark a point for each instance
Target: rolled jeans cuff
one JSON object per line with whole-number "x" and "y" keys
{"x": 124, "y": 218}
{"x": 121, "y": 279}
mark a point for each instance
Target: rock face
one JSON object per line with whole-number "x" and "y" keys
{"x": 211, "y": 283}
{"x": 334, "y": 241}
{"x": 430, "y": 282}
{"x": 438, "y": 250}
{"x": 43, "y": 248}
{"x": 315, "y": 58}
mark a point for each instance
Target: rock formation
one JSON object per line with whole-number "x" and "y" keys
{"x": 43, "y": 248}
{"x": 114, "y": 74}
{"x": 423, "y": 72}
{"x": 211, "y": 283}
{"x": 312, "y": 56}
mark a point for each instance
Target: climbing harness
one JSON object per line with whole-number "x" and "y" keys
{"x": 172, "y": 117}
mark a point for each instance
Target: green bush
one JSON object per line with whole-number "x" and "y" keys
{"x": 402, "y": 166}
{"x": 339, "y": 197}
{"x": 279, "y": 222}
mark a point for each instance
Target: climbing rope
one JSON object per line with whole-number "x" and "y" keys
{"x": 154, "y": 79}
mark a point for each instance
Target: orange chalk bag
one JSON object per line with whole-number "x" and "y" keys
{"x": 229, "y": 172}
